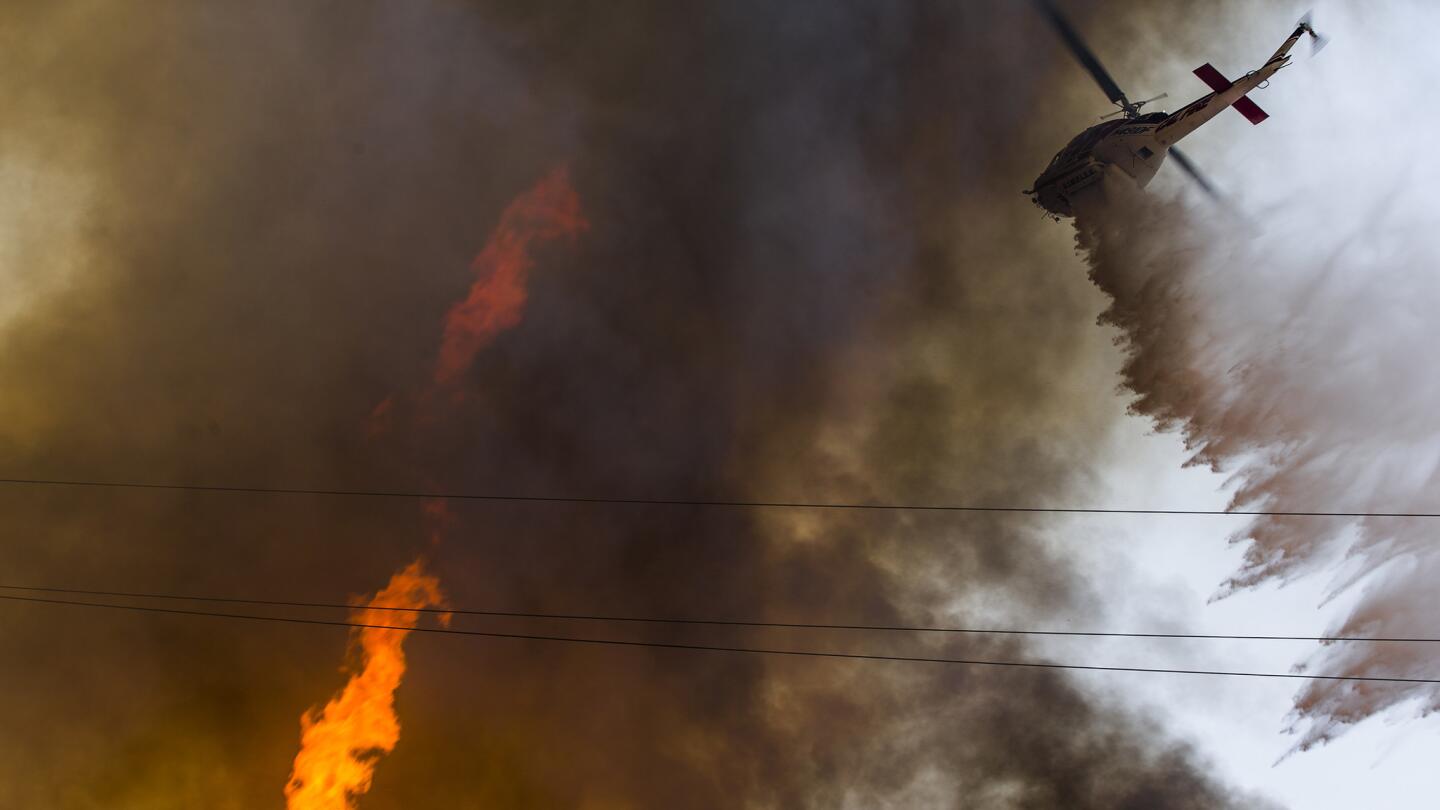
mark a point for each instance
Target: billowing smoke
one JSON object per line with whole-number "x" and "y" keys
{"x": 808, "y": 273}
{"x": 1296, "y": 352}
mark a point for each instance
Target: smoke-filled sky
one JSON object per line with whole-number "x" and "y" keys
{"x": 229, "y": 231}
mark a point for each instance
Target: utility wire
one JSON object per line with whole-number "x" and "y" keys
{"x": 718, "y": 648}
{"x": 591, "y": 617}
{"x": 747, "y": 504}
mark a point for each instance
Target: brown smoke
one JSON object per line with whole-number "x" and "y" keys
{"x": 808, "y": 274}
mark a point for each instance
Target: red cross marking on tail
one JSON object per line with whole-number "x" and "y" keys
{"x": 1220, "y": 84}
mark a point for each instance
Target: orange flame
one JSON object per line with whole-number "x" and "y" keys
{"x": 380, "y": 418}
{"x": 340, "y": 744}
{"x": 549, "y": 210}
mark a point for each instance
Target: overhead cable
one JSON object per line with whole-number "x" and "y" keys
{"x": 696, "y": 502}
{"x": 746, "y": 623}
{"x": 609, "y": 642}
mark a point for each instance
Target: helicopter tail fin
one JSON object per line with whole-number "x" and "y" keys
{"x": 1220, "y": 84}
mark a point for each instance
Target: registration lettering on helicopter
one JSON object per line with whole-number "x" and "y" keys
{"x": 1190, "y": 109}
{"x": 1079, "y": 179}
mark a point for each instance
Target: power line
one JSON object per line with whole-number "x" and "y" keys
{"x": 719, "y": 648}
{"x": 592, "y": 617}
{"x": 703, "y": 502}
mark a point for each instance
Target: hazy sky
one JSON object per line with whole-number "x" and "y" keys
{"x": 229, "y": 231}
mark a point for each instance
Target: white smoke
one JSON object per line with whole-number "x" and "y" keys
{"x": 1302, "y": 359}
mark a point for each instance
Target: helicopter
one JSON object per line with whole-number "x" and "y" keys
{"x": 1137, "y": 142}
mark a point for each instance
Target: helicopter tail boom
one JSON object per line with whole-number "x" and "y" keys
{"x": 1220, "y": 84}
{"x": 1228, "y": 94}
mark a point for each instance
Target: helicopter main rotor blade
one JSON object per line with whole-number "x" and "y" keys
{"x": 1082, "y": 51}
{"x": 1190, "y": 169}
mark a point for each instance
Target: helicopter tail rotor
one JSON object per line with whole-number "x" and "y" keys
{"x": 1317, "y": 39}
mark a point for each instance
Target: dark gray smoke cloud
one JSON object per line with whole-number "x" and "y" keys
{"x": 808, "y": 274}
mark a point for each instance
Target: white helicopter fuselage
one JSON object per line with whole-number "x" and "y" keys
{"x": 1138, "y": 145}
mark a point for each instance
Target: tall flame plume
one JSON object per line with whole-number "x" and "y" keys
{"x": 340, "y": 743}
